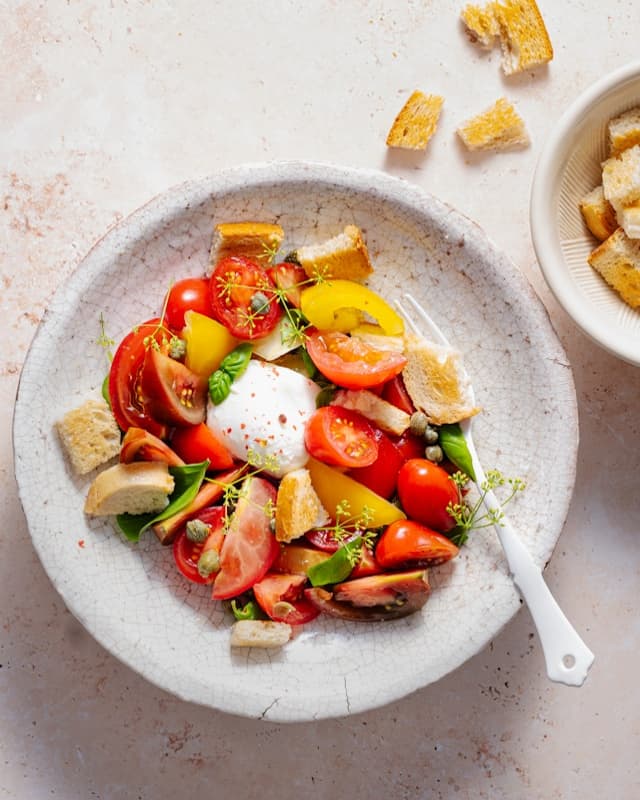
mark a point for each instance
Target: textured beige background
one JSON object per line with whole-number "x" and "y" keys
{"x": 104, "y": 104}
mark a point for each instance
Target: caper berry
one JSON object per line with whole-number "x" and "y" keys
{"x": 259, "y": 303}
{"x": 197, "y": 530}
{"x": 208, "y": 562}
{"x": 434, "y": 453}
{"x": 418, "y": 423}
{"x": 430, "y": 435}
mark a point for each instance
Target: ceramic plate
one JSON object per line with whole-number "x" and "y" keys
{"x": 130, "y": 597}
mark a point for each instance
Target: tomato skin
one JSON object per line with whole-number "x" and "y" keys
{"x": 394, "y": 392}
{"x": 410, "y": 445}
{"x": 232, "y": 285}
{"x": 277, "y": 588}
{"x": 340, "y": 437}
{"x": 425, "y": 491}
{"x": 186, "y": 553}
{"x": 124, "y": 380}
{"x": 164, "y": 382}
{"x": 407, "y": 542}
{"x": 350, "y": 362}
{"x": 189, "y": 294}
{"x": 290, "y": 278}
{"x": 382, "y": 475}
{"x": 249, "y": 548}
{"x": 198, "y": 443}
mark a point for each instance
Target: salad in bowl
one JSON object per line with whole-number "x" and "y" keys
{"x": 283, "y": 433}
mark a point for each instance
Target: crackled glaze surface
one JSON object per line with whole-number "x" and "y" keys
{"x": 130, "y": 597}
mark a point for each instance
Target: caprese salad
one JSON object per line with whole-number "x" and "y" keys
{"x": 305, "y": 476}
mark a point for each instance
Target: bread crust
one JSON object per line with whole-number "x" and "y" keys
{"x": 416, "y": 122}
{"x": 90, "y": 435}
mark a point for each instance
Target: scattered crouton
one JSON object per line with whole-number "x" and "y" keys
{"x": 416, "y": 122}
{"x": 498, "y": 128}
{"x": 343, "y": 256}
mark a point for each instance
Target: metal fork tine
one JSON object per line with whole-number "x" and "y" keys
{"x": 429, "y": 327}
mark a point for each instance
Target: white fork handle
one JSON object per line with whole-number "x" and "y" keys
{"x": 567, "y": 657}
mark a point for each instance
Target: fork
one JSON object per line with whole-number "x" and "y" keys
{"x": 567, "y": 657}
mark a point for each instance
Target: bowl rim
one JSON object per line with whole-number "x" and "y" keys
{"x": 542, "y": 207}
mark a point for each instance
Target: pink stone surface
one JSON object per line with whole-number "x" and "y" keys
{"x": 110, "y": 104}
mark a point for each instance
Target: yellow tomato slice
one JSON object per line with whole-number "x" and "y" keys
{"x": 324, "y": 306}
{"x": 207, "y": 341}
{"x": 333, "y": 488}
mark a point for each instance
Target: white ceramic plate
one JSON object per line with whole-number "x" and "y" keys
{"x": 569, "y": 167}
{"x": 131, "y": 598}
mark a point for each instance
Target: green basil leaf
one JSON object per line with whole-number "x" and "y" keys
{"x": 105, "y": 390}
{"x": 338, "y": 567}
{"x": 188, "y": 480}
{"x": 455, "y": 448}
{"x": 219, "y": 386}
{"x": 308, "y": 363}
{"x": 235, "y": 363}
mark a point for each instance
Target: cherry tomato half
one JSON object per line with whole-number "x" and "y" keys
{"x": 242, "y": 298}
{"x": 340, "y": 437}
{"x": 282, "y": 599}
{"x": 410, "y": 445}
{"x": 249, "y": 548}
{"x": 350, "y": 362}
{"x": 189, "y": 294}
{"x": 408, "y": 542}
{"x": 382, "y": 475}
{"x": 187, "y": 553}
{"x": 197, "y": 443}
{"x": 126, "y": 399}
{"x": 171, "y": 392}
{"x": 425, "y": 491}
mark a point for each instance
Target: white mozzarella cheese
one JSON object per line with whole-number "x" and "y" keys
{"x": 263, "y": 418}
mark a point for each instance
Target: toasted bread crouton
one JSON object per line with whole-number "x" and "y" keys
{"x": 630, "y": 220}
{"x": 343, "y": 256}
{"x": 259, "y": 633}
{"x": 256, "y": 240}
{"x": 481, "y": 24}
{"x": 142, "y": 487}
{"x": 416, "y": 122}
{"x": 298, "y": 507}
{"x": 519, "y": 27}
{"x": 617, "y": 259}
{"x": 386, "y": 416}
{"x": 437, "y": 382}
{"x": 498, "y": 128}
{"x": 624, "y": 131}
{"x": 598, "y": 214}
{"x": 621, "y": 178}
{"x": 90, "y": 435}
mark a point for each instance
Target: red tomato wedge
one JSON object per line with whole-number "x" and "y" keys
{"x": 249, "y": 548}
{"x": 291, "y": 279}
{"x": 125, "y": 396}
{"x": 242, "y": 298}
{"x": 408, "y": 542}
{"x": 425, "y": 491}
{"x": 394, "y": 392}
{"x": 187, "y": 553}
{"x": 351, "y": 362}
{"x": 172, "y": 392}
{"x": 140, "y": 445}
{"x": 189, "y": 294}
{"x": 281, "y": 597}
{"x": 382, "y": 475}
{"x": 198, "y": 443}
{"x": 341, "y": 437}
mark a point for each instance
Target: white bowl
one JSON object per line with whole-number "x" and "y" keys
{"x": 568, "y": 168}
{"x": 131, "y": 598}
